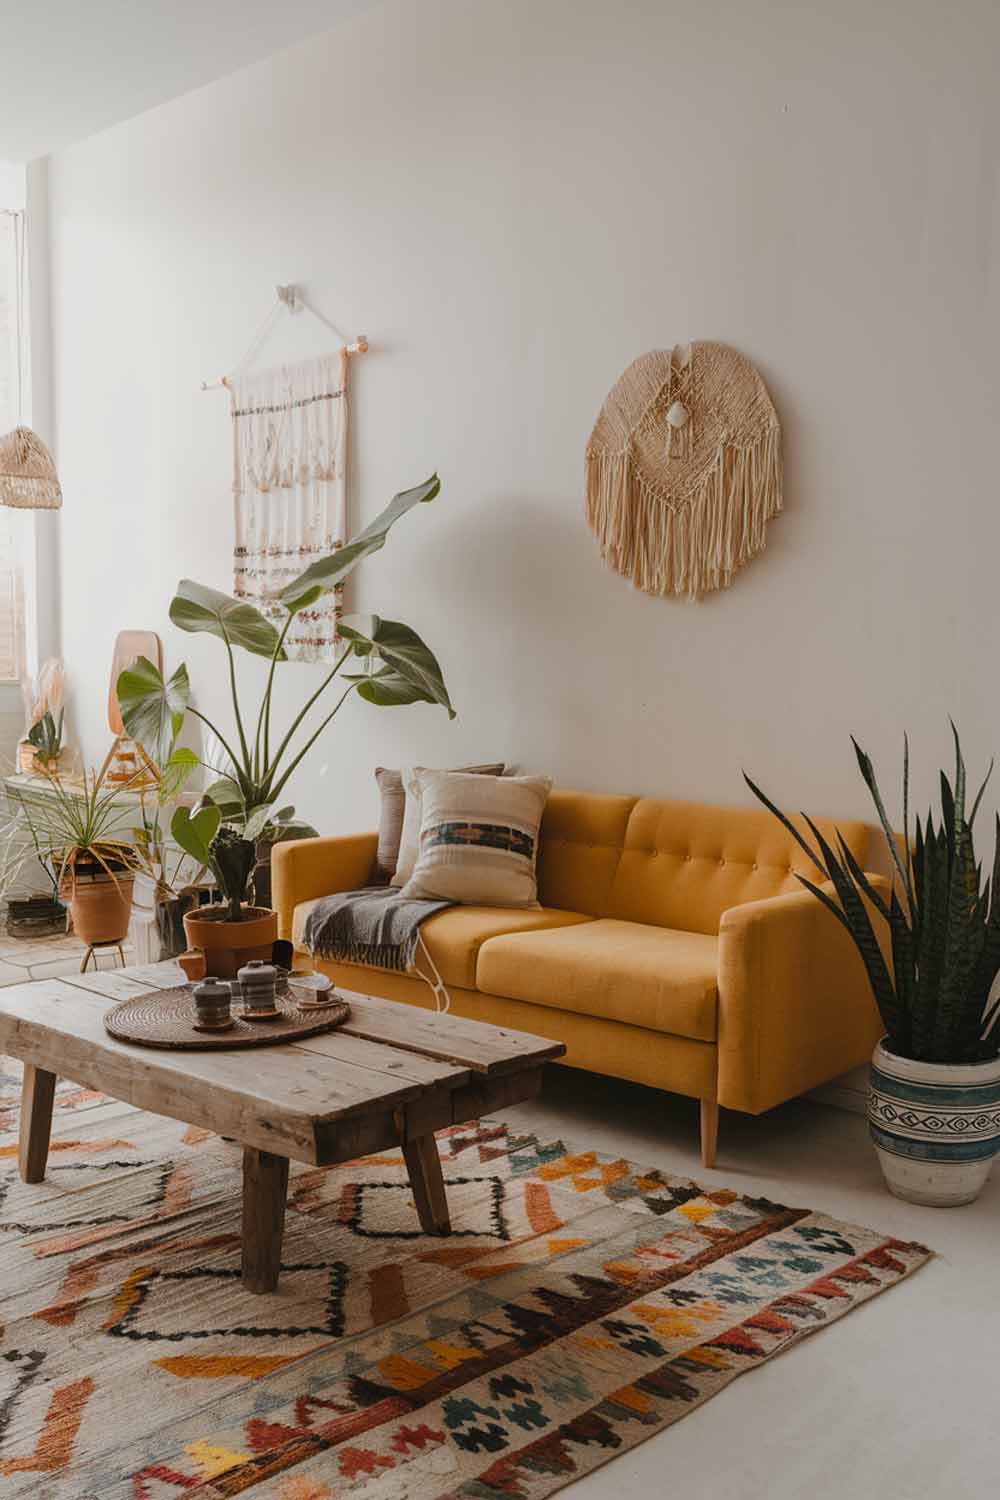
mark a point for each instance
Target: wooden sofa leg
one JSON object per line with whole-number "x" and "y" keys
{"x": 709, "y": 1131}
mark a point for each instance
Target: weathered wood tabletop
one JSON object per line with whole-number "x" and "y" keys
{"x": 390, "y": 1076}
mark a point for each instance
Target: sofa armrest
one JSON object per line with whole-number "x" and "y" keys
{"x": 304, "y": 868}
{"x": 795, "y": 1007}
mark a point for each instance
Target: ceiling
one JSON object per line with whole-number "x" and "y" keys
{"x": 71, "y": 69}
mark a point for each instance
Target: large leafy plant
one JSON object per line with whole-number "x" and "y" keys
{"x": 936, "y": 998}
{"x": 397, "y": 668}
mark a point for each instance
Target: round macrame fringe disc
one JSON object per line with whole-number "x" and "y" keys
{"x": 684, "y": 469}
{"x": 28, "y": 479}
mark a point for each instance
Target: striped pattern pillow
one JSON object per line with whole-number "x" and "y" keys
{"x": 478, "y": 838}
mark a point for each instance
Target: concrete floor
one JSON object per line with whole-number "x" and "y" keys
{"x": 50, "y": 957}
{"x": 897, "y": 1401}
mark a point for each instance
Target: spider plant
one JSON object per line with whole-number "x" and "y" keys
{"x": 398, "y": 669}
{"x": 81, "y": 830}
{"x": 936, "y": 995}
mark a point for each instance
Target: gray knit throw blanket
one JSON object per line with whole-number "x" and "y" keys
{"x": 378, "y": 926}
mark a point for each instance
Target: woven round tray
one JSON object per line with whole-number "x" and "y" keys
{"x": 165, "y": 1018}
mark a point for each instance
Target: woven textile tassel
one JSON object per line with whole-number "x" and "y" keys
{"x": 684, "y": 470}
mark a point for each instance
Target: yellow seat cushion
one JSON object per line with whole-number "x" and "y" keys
{"x": 623, "y": 971}
{"x": 454, "y": 937}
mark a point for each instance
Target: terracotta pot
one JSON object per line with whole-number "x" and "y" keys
{"x": 227, "y": 946}
{"x": 936, "y": 1126}
{"x": 100, "y": 907}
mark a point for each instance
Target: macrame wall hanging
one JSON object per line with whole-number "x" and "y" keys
{"x": 684, "y": 469}
{"x": 290, "y": 487}
{"x": 290, "y": 479}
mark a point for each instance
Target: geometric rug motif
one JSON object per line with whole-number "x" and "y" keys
{"x": 581, "y": 1305}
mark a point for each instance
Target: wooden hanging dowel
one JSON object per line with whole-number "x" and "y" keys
{"x": 290, "y": 297}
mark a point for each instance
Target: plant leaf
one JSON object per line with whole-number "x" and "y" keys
{"x": 867, "y": 770}
{"x": 415, "y": 672}
{"x": 199, "y": 609}
{"x": 327, "y": 572}
{"x": 194, "y": 832}
{"x": 153, "y": 710}
{"x": 785, "y": 822}
{"x": 177, "y": 772}
{"x": 256, "y": 822}
{"x": 228, "y": 798}
{"x": 282, "y": 833}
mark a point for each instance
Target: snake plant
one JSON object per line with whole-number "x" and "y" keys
{"x": 936, "y": 989}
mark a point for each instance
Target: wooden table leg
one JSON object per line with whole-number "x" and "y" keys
{"x": 37, "y": 1093}
{"x": 424, "y": 1167}
{"x": 265, "y": 1185}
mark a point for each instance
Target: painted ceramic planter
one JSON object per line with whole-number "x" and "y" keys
{"x": 936, "y": 1126}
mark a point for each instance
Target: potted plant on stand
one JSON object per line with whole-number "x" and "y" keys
{"x": 79, "y": 833}
{"x": 934, "y": 1101}
{"x": 238, "y": 808}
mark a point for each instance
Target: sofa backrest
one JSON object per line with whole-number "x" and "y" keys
{"x": 670, "y": 864}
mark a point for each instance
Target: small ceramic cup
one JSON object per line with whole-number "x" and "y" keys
{"x": 258, "y": 985}
{"x": 212, "y": 1004}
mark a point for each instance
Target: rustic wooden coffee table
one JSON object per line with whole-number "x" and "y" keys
{"x": 390, "y": 1076}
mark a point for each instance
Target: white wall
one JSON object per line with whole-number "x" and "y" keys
{"x": 514, "y": 200}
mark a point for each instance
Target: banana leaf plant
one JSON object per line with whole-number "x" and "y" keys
{"x": 938, "y": 994}
{"x": 398, "y": 668}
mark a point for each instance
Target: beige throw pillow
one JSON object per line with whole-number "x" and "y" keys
{"x": 478, "y": 838}
{"x": 392, "y": 806}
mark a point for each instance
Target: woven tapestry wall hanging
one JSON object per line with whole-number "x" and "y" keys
{"x": 684, "y": 469}
{"x": 290, "y": 487}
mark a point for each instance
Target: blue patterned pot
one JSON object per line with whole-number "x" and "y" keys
{"x": 936, "y": 1126}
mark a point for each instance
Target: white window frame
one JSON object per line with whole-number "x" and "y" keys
{"x": 14, "y": 194}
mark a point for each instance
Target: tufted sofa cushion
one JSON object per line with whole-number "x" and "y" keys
{"x": 685, "y": 863}
{"x": 454, "y": 937}
{"x": 580, "y": 843}
{"x": 621, "y": 971}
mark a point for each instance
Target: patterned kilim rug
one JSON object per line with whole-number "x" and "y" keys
{"x": 580, "y": 1306}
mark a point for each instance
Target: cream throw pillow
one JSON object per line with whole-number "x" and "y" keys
{"x": 409, "y": 838}
{"x": 392, "y": 811}
{"x": 478, "y": 838}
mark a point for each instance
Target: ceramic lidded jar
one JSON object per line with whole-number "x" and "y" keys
{"x": 258, "y": 983}
{"x": 212, "y": 1003}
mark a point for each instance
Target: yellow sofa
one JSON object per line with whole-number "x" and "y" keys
{"x": 673, "y": 946}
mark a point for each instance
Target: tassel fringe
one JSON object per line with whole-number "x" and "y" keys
{"x": 396, "y": 956}
{"x": 702, "y": 543}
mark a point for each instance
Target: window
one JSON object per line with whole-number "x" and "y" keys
{"x": 14, "y": 525}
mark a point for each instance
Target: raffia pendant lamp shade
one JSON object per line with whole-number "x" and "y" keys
{"x": 28, "y": 478}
